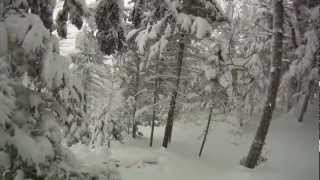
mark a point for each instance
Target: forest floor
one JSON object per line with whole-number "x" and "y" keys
{"x": 291, "y": 151}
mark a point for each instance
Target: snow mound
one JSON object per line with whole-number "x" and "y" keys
{"x": 95, "y": 161}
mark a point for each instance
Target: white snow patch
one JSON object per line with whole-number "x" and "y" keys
{"x": 200, "y": 27}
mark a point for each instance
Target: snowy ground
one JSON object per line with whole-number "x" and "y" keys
{"x": 293, "y": 153}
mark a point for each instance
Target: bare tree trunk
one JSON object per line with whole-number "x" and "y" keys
{"x": 128, "y": 127}
{"x": 234, "y": 75}
{"x": 305, "y": 102}
{"x": 1, "y": 9}
{"x": 259, "y": 140}
{"x": 169, "y": 125}
{"x": 155, "y": 100}
{"x": 134, "y": 124}
{"x": 206, "y": 132}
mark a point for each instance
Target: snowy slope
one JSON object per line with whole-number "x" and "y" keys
{"x": 293, "y": 154}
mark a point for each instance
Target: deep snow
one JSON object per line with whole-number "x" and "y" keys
{"x": 292, "y": 152}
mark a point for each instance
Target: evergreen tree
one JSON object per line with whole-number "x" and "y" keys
{"x": 41, "y": 96}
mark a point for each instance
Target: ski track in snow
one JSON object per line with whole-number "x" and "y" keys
{"x": 293, "y": 154}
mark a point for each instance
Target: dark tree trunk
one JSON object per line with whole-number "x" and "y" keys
{"x": 169, "y": 125}
{"x": 128, "y": 127}
{"x": 1, "y": 9}
{"x": 155, "y": 100}
{"x": 259, "y": 140}
{"x": 206, "y": 132}
{"x": 305, "y": 102}
{"x": 134, "y": 123}
{"x": 234, "y": 74}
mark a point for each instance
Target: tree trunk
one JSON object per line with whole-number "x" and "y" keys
{"x": 128, "y": 127}
{"x": 1, "y": 10}
{"x": 137, "y": 13}
{"x": 234, "y": 75}
{"x": 169, "y": 125}
{"x": 134, "y": 124}
{"x": 155, "y": 100}
{"x": 305, "y": 102}
{"x": 206, "y": 132}
{"x": 259, "y": 140}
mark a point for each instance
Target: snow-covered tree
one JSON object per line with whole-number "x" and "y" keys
{"x": 180, "y": 22}
{"x": 73, "y": 10}
{"x": 108, "y": 17}
{"x": 259, "y": 140}
{"x": 43, "y": 98}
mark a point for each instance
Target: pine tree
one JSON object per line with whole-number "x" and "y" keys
{"x": 211, "y": 13}
{"x": 110, "y": 33}
{"x": 41, "y": 98}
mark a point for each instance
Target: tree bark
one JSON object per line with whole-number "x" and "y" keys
{"x": 206, "y": 132}
{"x": 1, "y": 10}
{"x": 259, "y": 140}
{"x": 169, "y": 125}
{"x": 134, "y": 124}
{"x": 155, "y": 100}
{"x": 305, "y": 102}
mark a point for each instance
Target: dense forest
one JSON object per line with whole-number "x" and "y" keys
{"x": 162, "y": 89}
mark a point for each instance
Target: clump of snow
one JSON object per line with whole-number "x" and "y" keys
{"x": 34, "y": 40}
{"x": 55, "y": 70}
{"x": 55, "y": 44}
{"x": 31, "y": 150}
{"x": 141, "y": 40}
{"x": 185, "y": 21}
{"x": 210, "y": 72}
{"x": 200, "y": 27}
{"x": 151, "y": 32}
{"x": 155, "y": 30}
{"x": 225, "y": 79}
{"x": 17, "y": 27}
{"x": 154, "y": 49}
{"x": 131, "y": 34}
{"x": 168, "y": 30}
{"x": 95, "y": 161}
{"x": 19, "y": 175}
{"x": 315, "y": 13}
{"x": 314, "y": 75}
{"x": 4, "y": 160}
